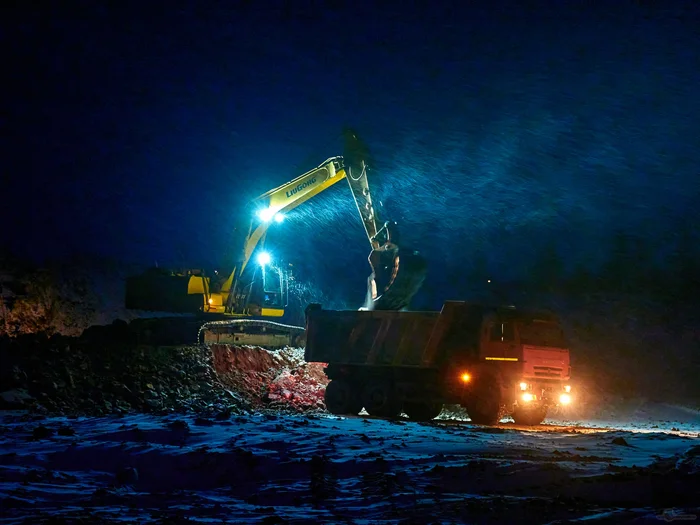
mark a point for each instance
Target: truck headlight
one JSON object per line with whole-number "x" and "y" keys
{"x": 527, "y": 397}
{"x": 565, "y": 399}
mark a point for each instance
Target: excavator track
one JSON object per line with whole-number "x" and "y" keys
{"x": 254, "y": 332}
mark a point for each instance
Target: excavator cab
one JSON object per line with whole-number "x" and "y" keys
{"x": 269, "y": 290}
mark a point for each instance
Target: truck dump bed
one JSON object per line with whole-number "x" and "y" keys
{"x": 417, "y": 339}
{"x": 368, "y": 337}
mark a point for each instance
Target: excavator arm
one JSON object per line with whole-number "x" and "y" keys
{"x": 356, "y": 167}
{"x": 397, "y": 272}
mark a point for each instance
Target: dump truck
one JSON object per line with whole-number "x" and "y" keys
{"x": 493, "y": 360}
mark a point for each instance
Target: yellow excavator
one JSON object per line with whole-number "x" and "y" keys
{"x": 240, "y": 308}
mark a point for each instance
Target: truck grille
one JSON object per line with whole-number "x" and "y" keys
{"x": 548, "y": 371}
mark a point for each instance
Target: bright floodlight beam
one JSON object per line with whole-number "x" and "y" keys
{"x": 264, "y": 258}
{"x": 266, "y": 214}
{"x": 279, "y": 217}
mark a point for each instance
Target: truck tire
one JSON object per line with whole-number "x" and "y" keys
{"x": 533, "y": 416}
{"x": 380, "y": 399}
{"x": 422, "y": 410}
{"x": 484, "y": 404}
{"x": 341, "y": 399}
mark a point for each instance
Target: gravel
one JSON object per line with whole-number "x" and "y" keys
{"x": 62, "y": 375}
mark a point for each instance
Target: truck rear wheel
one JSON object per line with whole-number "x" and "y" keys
{"x": 532, "y": 416}
{"x": 484, "y": 403}
{"x": 380, "y": 399}
{"x": 422, "y": 410}
{"x": 341, "y": 399}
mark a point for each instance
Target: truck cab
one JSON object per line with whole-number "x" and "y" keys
{"x": 532, "y": 356}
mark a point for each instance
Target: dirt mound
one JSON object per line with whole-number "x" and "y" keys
{"x": 279, "y": 379}
{"x": 64, "y": 375}
{"x": 76, "y": 376}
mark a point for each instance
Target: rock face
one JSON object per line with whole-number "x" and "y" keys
{"x": 65, "y": 375}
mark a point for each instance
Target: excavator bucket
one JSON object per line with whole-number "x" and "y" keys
{"x": 397, "y": 275}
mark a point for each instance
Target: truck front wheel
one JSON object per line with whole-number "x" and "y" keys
{"x": 532, "y": 416}
{"x": 422, "y": 410}
{"x": 341, "y": 399}
{"x": 484, "y": 403}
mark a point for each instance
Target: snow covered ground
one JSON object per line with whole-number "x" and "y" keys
{"x": 268, "y": 468}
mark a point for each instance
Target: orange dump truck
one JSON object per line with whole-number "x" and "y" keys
{"x": 494, "y": 361}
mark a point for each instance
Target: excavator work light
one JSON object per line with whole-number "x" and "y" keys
{"x": 465, "y": 377}
{"x": 527, "y": 397}
{"x": 266, "y": 214}
{"x": 264, "y": 258}
{"x": 565, "y": 399}
{"x": 523, "y": 386}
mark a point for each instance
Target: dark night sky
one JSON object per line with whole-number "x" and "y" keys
{"x": 138, "y": 130}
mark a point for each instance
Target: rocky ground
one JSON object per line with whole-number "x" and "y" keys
{"x": 99, "y": 430}
{"x": 71, "y": 376}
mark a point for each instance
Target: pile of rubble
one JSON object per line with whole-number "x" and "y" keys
{"x": 64, "y": 375}
{"x": 71, "y": 376}
{"x": 271, "y": 379}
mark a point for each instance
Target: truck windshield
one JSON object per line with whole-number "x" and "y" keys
{"x": 541, "y": 334}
